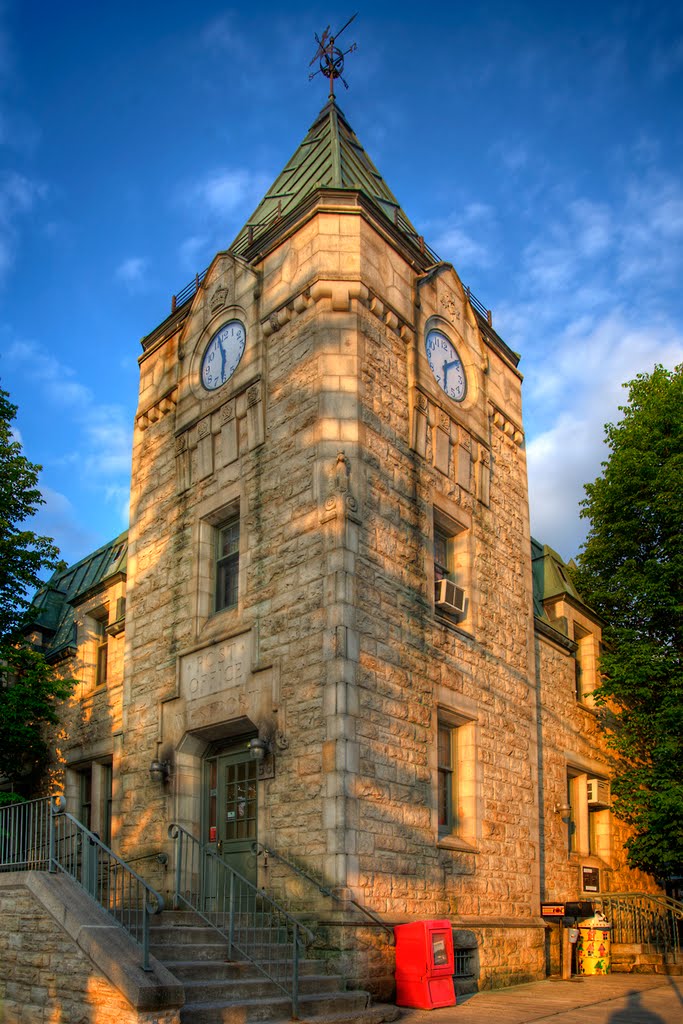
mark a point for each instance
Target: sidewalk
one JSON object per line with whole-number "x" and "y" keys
{"x": 614, "y": 999}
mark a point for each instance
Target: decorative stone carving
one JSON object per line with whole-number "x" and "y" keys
{"x": 219, "y": 298}
{"x": 339, "y": 500}
{"x": 227, "y": 412}
{"x": 449, "y": 303}
{"x": 342, "y": 473}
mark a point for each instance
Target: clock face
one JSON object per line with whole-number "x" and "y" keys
{"x": 446, "y": 365}
{"x": 222, "y": 354}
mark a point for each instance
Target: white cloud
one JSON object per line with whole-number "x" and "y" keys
{"x": 18, "y": 196}
{"x": 133, "y": 273}
{"x": 224, "y": 191}
{"x": 459, "y": 240}
{"x": 192, "y": 249}
{"x": 102, "y": 455}
{"x": 58, "y": 518}
{"x": 581, "y": 380}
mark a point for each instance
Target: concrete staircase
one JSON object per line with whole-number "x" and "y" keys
{"x": 220, "y": 991}
{"x": 636, "y": 958}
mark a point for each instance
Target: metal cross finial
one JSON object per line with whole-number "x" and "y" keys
{"x": 331, "y": 58}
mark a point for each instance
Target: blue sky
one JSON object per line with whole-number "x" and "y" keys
{"x": 538, "y": 147}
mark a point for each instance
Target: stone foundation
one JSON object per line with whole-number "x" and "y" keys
{"x": 44, "y": 974}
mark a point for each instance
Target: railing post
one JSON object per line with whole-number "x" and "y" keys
{"x": 145, "y": 937}
{"x": 52, "y": 867}
{"x": 295, "y": 974}
{"x": 231, "y": 919}
{"x": 178, "y": 869}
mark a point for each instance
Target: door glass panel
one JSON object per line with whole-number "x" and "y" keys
{"x": 240, "y": 800}
{"x": 211, "y": 816}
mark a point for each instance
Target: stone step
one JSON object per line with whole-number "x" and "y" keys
{"x": 345, "y": 1005}
{"x": 256, "y": 986}
{"x": 181, "y": 934}
{"x": 213, "y": 951}
{"x": 376, "y": 1014}
{"x": 195, "y": 970}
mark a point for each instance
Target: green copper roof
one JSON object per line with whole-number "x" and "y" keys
{"x": 330, "y": 157}
{"x": 52, "y": 610}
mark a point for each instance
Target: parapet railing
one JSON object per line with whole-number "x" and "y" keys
{"x": 255, "y": 926}
{"x": 189, "y": 290}
{"x": 639, "y": 917}
{"x": 40, "y": 835}
{"x": 261, "y": 848}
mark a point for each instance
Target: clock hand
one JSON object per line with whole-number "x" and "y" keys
{"x": 223, "y": 358}
{"x": 445, "y": 373}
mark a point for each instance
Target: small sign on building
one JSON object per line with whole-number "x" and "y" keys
{"x": 552, "y": 909}
{"x": 590, "y": 879}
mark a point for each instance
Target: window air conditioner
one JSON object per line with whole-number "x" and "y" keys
{"x": 598, "y": 792}
{"x": 449, "y": 597}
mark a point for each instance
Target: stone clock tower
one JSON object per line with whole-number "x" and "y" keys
{"x": 329, "y": 560}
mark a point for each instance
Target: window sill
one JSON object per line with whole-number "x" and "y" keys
{"x": 456, "y": 843}
{"x": 453, "y": 622}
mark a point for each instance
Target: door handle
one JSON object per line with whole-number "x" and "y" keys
{"x": 219, "y": 846}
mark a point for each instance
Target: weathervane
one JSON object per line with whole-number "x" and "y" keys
{"x": 331, "y": 57}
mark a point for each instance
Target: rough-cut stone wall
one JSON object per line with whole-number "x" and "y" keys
{"x": 571, "y": 736}
{"x": 411, "y": 661}
{"x": 45, "y": 977}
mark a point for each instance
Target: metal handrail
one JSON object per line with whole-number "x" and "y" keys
{"x": 255, "y": 926}
{"x": 42, "y": 836}
{"x": 258, "y": 848}
{"x": 24, "y": 836}
{"x": 640, "y": 917}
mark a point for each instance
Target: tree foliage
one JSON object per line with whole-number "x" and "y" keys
{"x": 29, "y": 689}
{"x": 28, "y": 702}
{"x": 23, "y": 554}
{"x": 631, "y": 571}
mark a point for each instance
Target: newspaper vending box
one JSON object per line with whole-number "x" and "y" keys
{"x": 424, "y": 964}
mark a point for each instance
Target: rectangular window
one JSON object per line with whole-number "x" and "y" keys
{"x": 102, "y": 651}
{"x": 227, "y": 564}
{"x": 447, "y": 761}
{"x": 456, "y": 778}
{"x": 86, "y": 797}
{"x": 588, "y": 824}
{"x": 443, "y": 556}
{"x": 107, "y": 793}
{"x": 586, "y": 659}
{"x": 451, "y": 560}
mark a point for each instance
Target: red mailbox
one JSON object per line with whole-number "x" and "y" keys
{"x": 424, "y": 964}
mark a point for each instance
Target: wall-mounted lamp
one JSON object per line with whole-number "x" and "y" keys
{"x": 258, "y": 748}
{"x": 564, "y": 810}
{"x": 159, "y": 771}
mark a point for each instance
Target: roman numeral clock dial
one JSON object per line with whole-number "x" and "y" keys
{"x": 222, "y": 355}
{"x": 446, "y": 365}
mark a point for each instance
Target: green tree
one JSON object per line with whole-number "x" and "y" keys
{"x": 631, "y": 571}
{"x": 23, "y": 554}
{"x": 29, "y": 689}
{"x": 28, "y": 704}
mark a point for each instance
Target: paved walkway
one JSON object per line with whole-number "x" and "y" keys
{"x": 615, "y": 999}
